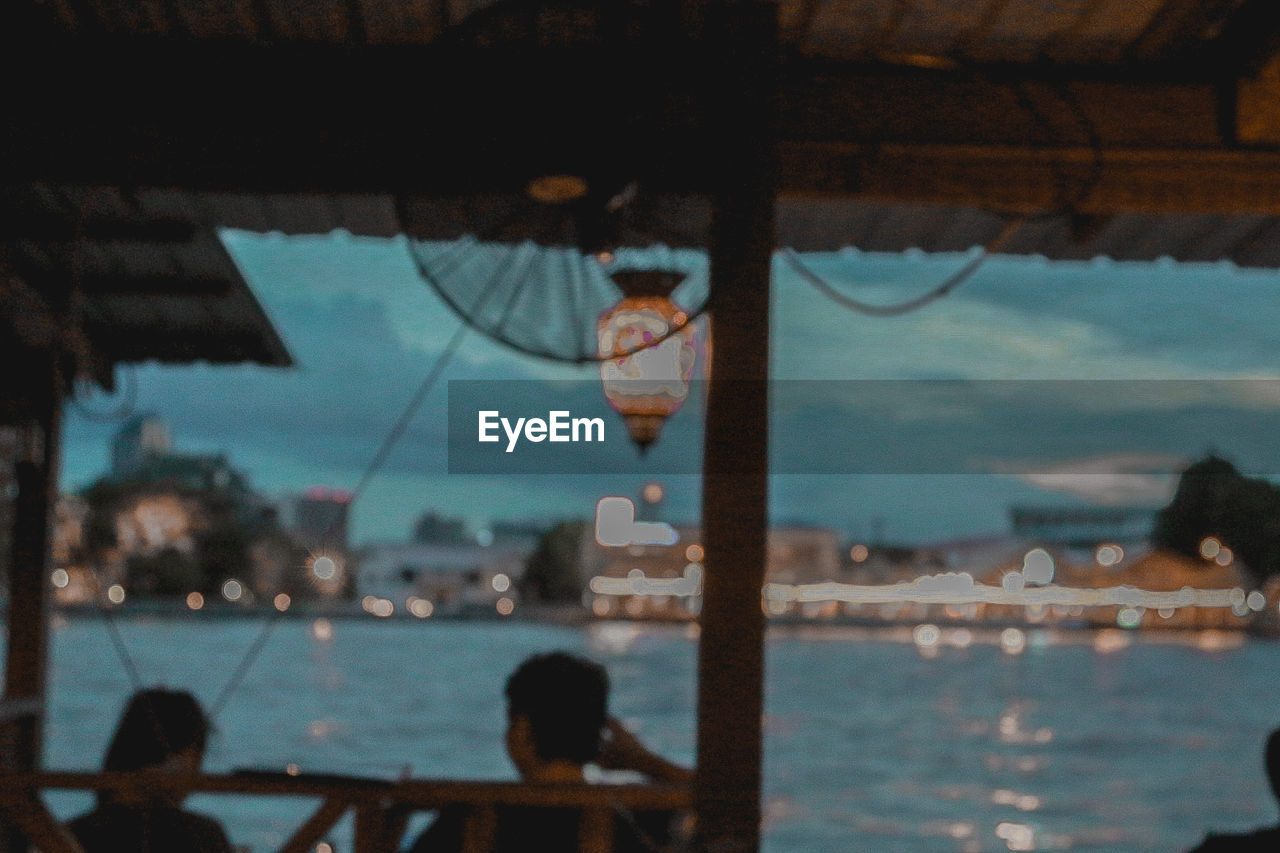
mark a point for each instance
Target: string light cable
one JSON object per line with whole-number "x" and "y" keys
{"x": 124, "y": 407}
{"x": 1068, "y": 204}
{"x": 949, "y": 284}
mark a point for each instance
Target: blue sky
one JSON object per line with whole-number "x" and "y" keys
{"x": 364, "y": 330}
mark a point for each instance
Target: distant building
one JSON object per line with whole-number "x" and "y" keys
{"x": 521, "y": 533}
{"x": 1082, "y": 526}
{"x": 141, "y": 440}
{"x": 177, "y": 520}
{"x": 452, "y": 578}
{"x": 431, "y": 528}
{"x": 320, "y": 518}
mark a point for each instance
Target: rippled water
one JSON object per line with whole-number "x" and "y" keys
{"x": 871, "y": 742}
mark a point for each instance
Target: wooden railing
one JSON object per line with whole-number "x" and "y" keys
{"x": 380, "y": 807}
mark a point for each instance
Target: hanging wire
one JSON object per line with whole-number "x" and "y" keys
{"x": 113, "y": 633}
{"x": 949, "y": 284}
{"x": 371, "y": 470}
{"x": 123, "y": 409}
{"x": 1069, "y": 199}
{"x": 1068, "y": 203}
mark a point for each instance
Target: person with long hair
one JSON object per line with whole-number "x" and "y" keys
{"x": 161, "y": 735}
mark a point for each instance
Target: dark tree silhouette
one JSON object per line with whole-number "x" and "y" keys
{"x": 551, "y": 573}
{"x": 1214, "y": 499}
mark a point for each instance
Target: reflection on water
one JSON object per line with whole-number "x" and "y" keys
{"x": 913, "y": 739}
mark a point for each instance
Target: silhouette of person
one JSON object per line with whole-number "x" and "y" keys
{"x": 1267, "y": 839}
{"x": 162, "y": 733}
{"x": 557, "y": 721}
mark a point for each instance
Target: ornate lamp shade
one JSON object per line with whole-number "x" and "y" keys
{"x": 648, "y": 348}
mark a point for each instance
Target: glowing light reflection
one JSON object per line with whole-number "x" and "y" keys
{"x": 324, "y": 567}
{"x": 956, "y": 589}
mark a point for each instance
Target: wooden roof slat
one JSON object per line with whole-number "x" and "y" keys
{"x": 137, "y": 17}
{"x": 1177, "y": 23}
{"x": 1220, "y": 239}
{"x": 404, "y": 21}
{"x": 156, "y": 285}
{"x": 217, "y": 18}
{"x": 1248, "y": 39}
{"x": 966, "y": 229}
{"x": 315, "y": 20}
{"x": 1160, "y": 238}
{"x": 1261, "y": 247}
{"x": 1077, "y": 32}
{"x": 843, "y": 28}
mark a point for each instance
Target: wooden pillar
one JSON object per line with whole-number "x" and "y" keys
{"x": 735, "y": 461}
{"x": 25, "y": 676}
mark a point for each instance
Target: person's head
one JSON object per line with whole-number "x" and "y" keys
{"x": 158, "y": 728}
{"x": 1273, "y": 762}
{"x": 557, "y": 704}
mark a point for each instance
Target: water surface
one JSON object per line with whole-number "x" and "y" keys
{"x": 1077, "y": 742}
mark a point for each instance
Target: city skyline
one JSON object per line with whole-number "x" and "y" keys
{"x": 364, "y": 330}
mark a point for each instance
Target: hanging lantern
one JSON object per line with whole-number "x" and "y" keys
{"x": 646, "y": 384}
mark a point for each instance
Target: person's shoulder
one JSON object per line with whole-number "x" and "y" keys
{"x": 115, "y": 827}
{"x": 203, "y": 830}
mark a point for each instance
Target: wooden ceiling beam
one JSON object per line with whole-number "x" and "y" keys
{"x": 41, "y": 227}
{"x": 1022, "y": 180}
{"x": 154, "y": 285}
{"x": 313, "y": 119}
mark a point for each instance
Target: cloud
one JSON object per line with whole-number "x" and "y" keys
{"x": 1024, "y": 318}
{"x": 1115, "y": 480}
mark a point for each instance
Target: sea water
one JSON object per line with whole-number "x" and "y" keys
{"x": 885, "y": 740}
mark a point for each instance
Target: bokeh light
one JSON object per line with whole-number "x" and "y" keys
{"x": 324, "y": 567}
{"x": 1109, "y": 555}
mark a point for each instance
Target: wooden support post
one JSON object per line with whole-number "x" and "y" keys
{"x": 26, "y": 664}
{"x": 370, "y": 825}
{"x": 596, "y": 831}
{"x": 736, "y": 448}
{"x": 306, "y": 837}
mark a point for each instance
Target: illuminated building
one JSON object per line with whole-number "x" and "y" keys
{"x": 453, "y": 578}
{"x": 141, "y": 440}
{"x": 320, "y": 518}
